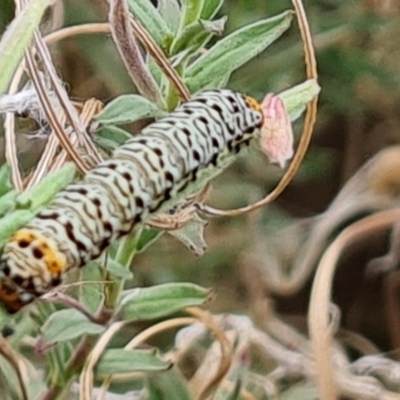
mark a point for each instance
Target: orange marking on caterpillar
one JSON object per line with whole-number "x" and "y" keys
{"x": 10, "y": 298}
{"x": 54, "y": 260}
{"x": 253, "y": 104}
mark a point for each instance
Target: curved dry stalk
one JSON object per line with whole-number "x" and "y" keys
{"x": 8, "y": 353}
{"x": 309, "y": 122}
{"x": 86, "y": 377}
{"x": 84, "y": 29}
{"x": 319, "y": 310}
{"x": 226, "y": 349}
{"x": 71, "y": 113}
{"x": 145, "y": 39}
{"x": 172, "y": 222}
{"x": 142, "y": 337}
{"x": 46, "y": 158}
{"x": 51, "y": 114}
{"x": 9, "y": 134}
{"x": 90, "y": 108}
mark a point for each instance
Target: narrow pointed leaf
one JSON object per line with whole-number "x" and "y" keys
{"x": 119, "y": 361}
{"x": 161, "y": 300}
{"x": 191, "y": 11}
{"x": 67, "y": 325}
{"x": 210, "y": 8}
{"x": 7, "y": 202}
{"x": 128, "y": 108}
{"x": 18, "y": 37}
{"x": 5, "y": 179}
{"x": 235, "y": 50}
{"x": 151, "y": 19}
{"x": 170, "y": 11}
{"x": 297, "y": 97}
{"x": 11, "y": 222}
{"x": 40, "y": 194}
{"x": 113, "y": 134}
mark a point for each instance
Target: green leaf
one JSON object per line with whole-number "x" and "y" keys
{"x": 160, "y": 300}
{"x": 18, "y": 37}
{"x": 66, "y": 325}
{"x": 151, "y": 19}
{"x": 5, "y": 179}
{"x": 119, "y": 361}
{"x": 170, "y": 12}
{"x": 104, "y": 143}
{"x": 191, "y": 235}
{"x": 210, "y": 8}
{"x": 7, "y": 202}
{"x": 168, "y": 385}
{"x": 233, "y": 51}
{"x": 113, "y": 134}
{"x": 91, "y": 294}
{"x": 117, "y": 270}
{"x": 297, "y": 97}
{"x": 191, "y": 11}
{"x": 196, "y": 35}
{"x": 41, "y": 194}
{"x": 128, "y": 108}
{"x": 11, "y": 222}
{"x": 147, "y": 237}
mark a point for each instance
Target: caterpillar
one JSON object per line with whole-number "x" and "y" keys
{"x": 169, "y": 160}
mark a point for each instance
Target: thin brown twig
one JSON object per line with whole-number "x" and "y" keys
{"x": 45, "y": 160}
{"x": 142, "y": 337}
{"x": 86, "y": 377}
{"x": 226, "y": 349}
{"x": 319, "y": 310}
{"x": 146, "y": 41}
{"x": 71, "y": 113}
{"x": 310, "y": 118}
{"x": 51, "y": 114}
{"x": 8, "y": 353}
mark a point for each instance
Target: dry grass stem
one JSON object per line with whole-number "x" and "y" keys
{"x": 319, "y": 310}
{"x": 16, "y": 363}
{"x": 87, "y": 374}
{"x": 225, "y": 345}
{"x": 141, "y": 338}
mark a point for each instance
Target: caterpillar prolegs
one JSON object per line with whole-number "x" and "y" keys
{"x": 150, "y": 171}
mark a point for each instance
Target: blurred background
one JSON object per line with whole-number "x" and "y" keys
{"x": 358, "y": 61}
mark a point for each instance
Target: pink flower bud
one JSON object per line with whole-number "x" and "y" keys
{"x": 276, "y": 140}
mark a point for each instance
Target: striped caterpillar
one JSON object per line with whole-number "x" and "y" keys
{"x": 171, "y": 159}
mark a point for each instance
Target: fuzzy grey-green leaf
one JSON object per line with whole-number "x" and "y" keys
{"x": 40, "y": 194}
{"x": 13, "y": 221}
{"x": 151, "y": 19}
{"x": 18, "y": 37}
{"x": 65, "y": 325}
{"x": 119, "y": 361}
{"x": 297, "y": 97}
{"x": 5, "y": 179}
{"x": 128, "y": 108}
{"x": 210, "y": 8}
{"x": 161, "y": 300}
{"x": 235, "y": 50}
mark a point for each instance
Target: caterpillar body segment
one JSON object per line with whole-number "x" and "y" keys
{"x": 171, "y": 159}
